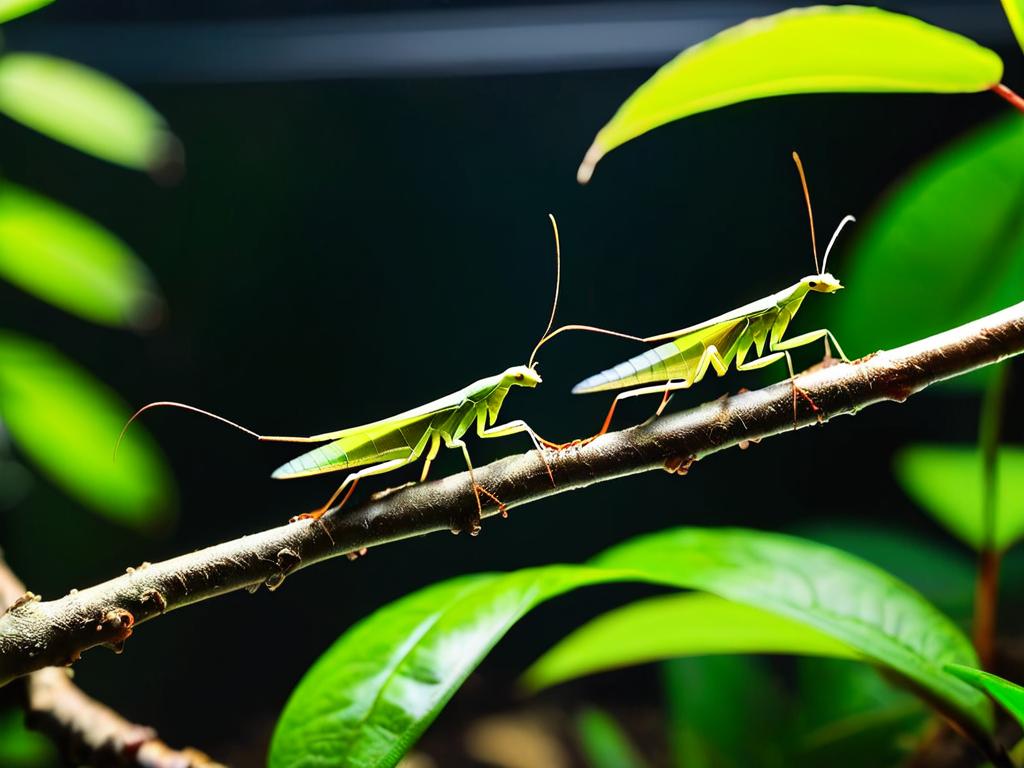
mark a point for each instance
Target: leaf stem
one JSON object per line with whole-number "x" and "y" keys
{"x": 1012, "y": 97}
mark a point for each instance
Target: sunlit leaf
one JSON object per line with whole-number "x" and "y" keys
{"x": 604, "y": 742}
{"x": 803, "y": 50}
{"x": 72, "y": 262}
{"x": 84, "y": 109}
{"x": 66, "y": 423}
{"x": 947, "y": 481}
{"x": 371, "y": 695}
{"x": 20, "y": 747}
{"x": 951, "y": 229}
{"x": 1015, "y": 14}
{"x": 1010, "y": 695}
{"x": 673, "y": 626}
{"x": 12, "y": 9}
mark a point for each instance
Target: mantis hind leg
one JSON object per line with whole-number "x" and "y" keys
{"x": 352, "y": 480}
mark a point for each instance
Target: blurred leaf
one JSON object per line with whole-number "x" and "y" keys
{"x": 724, "y": 712}
{"x": 12, "y": 9}
{"x": 604, "y": 743}
{"x": 1015, "y": 14}
{"x": 72, "y": 262}
{"x": 372, "y": 694}
{"x": 1010, "y": 695}
{"x": 938, "y": 570}
{"x": 673, "y": 626}
{"x": 947, "y": 481}
{"x": 20, "y": 747}
{"x": 849, "y": 715}
{"x": 952, "y": 229}
{"x": 802, "y": 50}
{"x": 66, "y": 423}
{"x": 84, "y": 109}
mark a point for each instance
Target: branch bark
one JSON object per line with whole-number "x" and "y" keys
{"x": 37, "y": 634}
{"x": 86, "y": 731}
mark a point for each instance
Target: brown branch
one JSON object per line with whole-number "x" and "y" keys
{"x": 37, "y": 634}
{"x": 85, "y": 731}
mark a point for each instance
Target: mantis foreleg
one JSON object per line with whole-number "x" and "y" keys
{"x": 514, "y": 428}
{"x": 807, "y": 338}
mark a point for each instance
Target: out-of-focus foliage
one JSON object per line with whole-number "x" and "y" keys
{"x": 72, "y": 262}
{"x": 945, "y": 247}
{"x": 803, "y": 50}
{"x": 1015, "y": 14}
{"x": 1010, "y": 695}
{"x": 84, "y": 109}
{"x": 371, "y": 695}
{"x": 604, "y": 743}
{"x": 674, "y": 626}
{"x": 948, "y": 482}
{"x": 66, "y": 423}
{"x": 20, "y": 747}
{"x": 725, "y": 712}
{"x": 12, "y": 9}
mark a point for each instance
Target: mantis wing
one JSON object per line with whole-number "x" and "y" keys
{"x": 747, "y": 311}
{"x": 396, "y": 438}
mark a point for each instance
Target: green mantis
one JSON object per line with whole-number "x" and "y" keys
{"x": 688, "y": 354}
{"x": 385, "y": 445}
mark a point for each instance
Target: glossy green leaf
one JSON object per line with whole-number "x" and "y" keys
{"x": 84, "y": 109}
{"x": 603, "y": 741}
{"x": 1015, "y": 14}
{"x": 802, "y": 50}
{"x": 12, "y": 9}
{"x": 856, "y": 603}
{"x": 951, "y": 229}
{"x": 947, "y": 481}
{"x": 1009, "y": 695}
{"x": 674, "y": 626}
{"x": 66, "y": 423}
{"x": 72, "y": 262}
{"x": 371, "y": 695}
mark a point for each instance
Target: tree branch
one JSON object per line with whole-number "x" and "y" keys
{"x": 85, "y": 731}
{"x": 37, "y": 634}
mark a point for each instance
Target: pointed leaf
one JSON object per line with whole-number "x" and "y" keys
{"x": 952, "y": 230}
{"x": 66, "y": 423}
{"x": 1010, "y": 695}
{"x": 674, "y": 626}
{"x": 802, "y": 50}
{"x": 371, "y": 695}
{"x": 84, "y": 109}
{"x": 947, "y": 481}
{"x": 72, "y": 262}
{"x": 1015, "y": 14}
{"x": 12, "y": 9}
{"x": 604, "y": 742}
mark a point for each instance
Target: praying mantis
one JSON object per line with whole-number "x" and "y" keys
{"x": 385, "y": 445}
{"x": 687, "y": 354}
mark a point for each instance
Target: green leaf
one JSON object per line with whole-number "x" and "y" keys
{"x": 952, "y": 229}
{"x": 66, "y": 423}
{"x": 604, "y": 743}
{"x": 802, "y": 50}
{"x": 1010, "y": 695}
{"x": 72, "y": 262}
{"x": 20, "y": 747}
{"x": 1015, "y": 14}
{"x": 674, "y": 626}
{"x": 878, "y": 616}
{"x": 12, "y": 9}
{"x": 84, "y": 109}
{"x": 947, "y": 481}
{"x": 371, "y": 695}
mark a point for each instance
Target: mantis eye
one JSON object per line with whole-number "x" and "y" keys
{"x": 519, "y": 377}
{"x": 813, "y": 284}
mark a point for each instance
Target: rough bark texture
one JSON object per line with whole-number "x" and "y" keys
{"x": 36, "y": 634}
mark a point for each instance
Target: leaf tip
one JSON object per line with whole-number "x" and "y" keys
{"x": 590, "y": 161}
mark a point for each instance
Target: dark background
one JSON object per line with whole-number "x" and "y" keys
{"x": 355, "y": 237}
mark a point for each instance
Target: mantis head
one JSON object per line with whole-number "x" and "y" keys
{"x": 823, "y": 283}
{"x": 521, "y": 376}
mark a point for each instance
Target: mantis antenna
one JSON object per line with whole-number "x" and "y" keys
{"x": 558, "y": 285}
{"x": 846, "y": 220}
{"x": 810, "y": 213}
{"x": 172, "y": 404}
